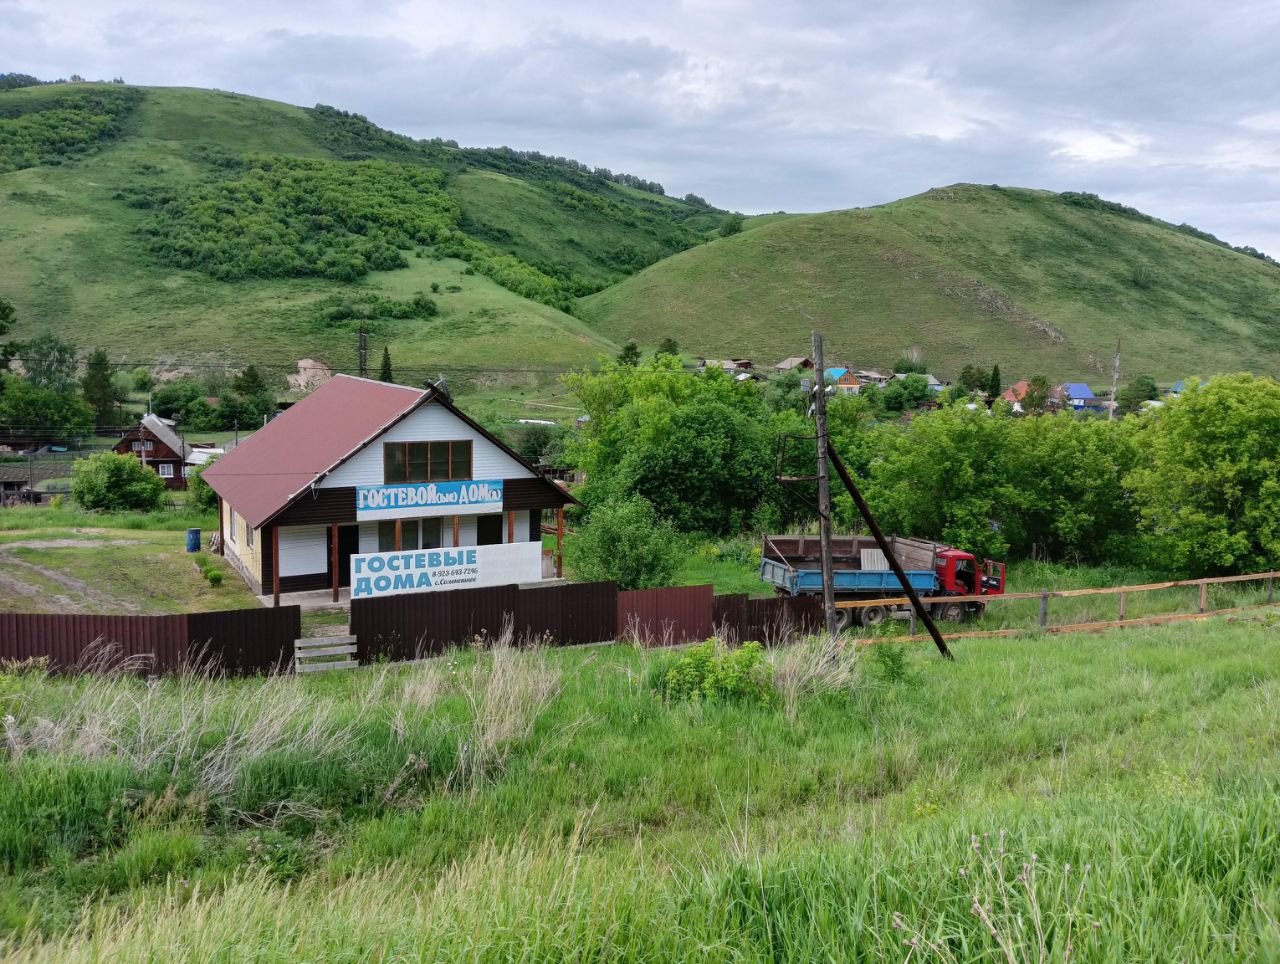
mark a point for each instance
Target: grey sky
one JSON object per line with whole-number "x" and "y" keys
{"x": 1173, "y": 106}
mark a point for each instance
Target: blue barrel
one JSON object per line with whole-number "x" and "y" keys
{"x": 193, "y": 540}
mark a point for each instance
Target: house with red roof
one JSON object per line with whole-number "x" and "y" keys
{"x": 384, "y": 489}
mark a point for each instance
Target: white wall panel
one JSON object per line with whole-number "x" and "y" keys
{"x": 430, "y": 423}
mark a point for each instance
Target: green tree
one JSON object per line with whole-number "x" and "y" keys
{"x": 385, "y": 374}
{"x": 1036, "y": 398}
{"x": 1209, "y": 482}
{"x": 1141, "y": 388}
{"x": 250, "y": 383}
{"x": 630, "y": 355}
{"x": 143, "y": 380}
{"x": 7, "y": 349}
{"x": 974, "y": 378}
{"x": 668, "y": 346}
{"x": 43, "y": 413}
{"x": 905, "y": 394}
{"x": 199, "y": 492}
{"x": 993, "y": 386}
{"x": 624, "y": 541}
{"x": 50, "y": 363}
{"x": 99, "y": 388}
{"x": 116, "y": 483}
{"x": 731, "y": 225}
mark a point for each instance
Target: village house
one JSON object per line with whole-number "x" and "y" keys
{"x": 366, "y": 473}
{"x": 844, "y": 381}
{"x": 156, "y": 442}
{"x": 742, "y": 369}
{"x": 793, "y": 363}
{"x": 933, "y": 383}
{"x": 1076, "y": 396}
{"x": 868, "y": 376}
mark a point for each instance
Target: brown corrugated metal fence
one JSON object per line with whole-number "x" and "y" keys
{"x": 414, "y": 625}
{"x": 424, "y": 624}
{"x": 666, "y": 616}
{"x": 766, "y": 620}
{"x": 238, "y": 641}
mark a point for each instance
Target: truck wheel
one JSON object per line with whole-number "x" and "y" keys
{"x": 951, "y": 613}
{"x": 874, "y": 615}
{"x": 844, "y": 619}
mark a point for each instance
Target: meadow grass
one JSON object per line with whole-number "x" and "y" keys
{"x": 1112, "y": 793}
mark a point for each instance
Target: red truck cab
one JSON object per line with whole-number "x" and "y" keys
{"x": 960, "y": 574}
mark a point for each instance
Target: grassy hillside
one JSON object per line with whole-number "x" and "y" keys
{"x": 1112, "y": 792}
{"x": 1035, "y": 281}
{"x": 130, "y": 219}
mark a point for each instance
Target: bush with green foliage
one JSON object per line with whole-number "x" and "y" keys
{"x": 199, "y": 493}
{"x": 712, "y": 671}
{"x": 52, "y": 126}
{"x": 283, "y": 217}
{"x": 116, "y": 483}
{"x": 625, "y": 542}
{"x": 1208, "y": 483}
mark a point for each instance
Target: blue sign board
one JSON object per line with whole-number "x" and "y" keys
{"x": 422, "y": 499}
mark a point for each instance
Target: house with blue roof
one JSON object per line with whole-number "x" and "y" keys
{"x": 844, "y": 380}
{"x": 1076, "y": 395}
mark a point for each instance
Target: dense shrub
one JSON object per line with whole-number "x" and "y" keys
{"x": 42, "y": 413}
{"x": 625, "y": 542}
{"x": 47, "y": 128}
{"x": 710, "y": 671}
{"x": 199, "y": 493}
{"x": 116, "y": 483}
{"x": 294, "y": 217}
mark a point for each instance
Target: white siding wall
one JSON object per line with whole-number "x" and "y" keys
{"x": 429, "y": 424}
{"x": 304, "y": 550}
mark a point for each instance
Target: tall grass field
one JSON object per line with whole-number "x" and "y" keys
{"x": 1094, "y": 798}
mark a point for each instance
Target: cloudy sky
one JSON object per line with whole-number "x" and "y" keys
{"x": 1171, "y": 106}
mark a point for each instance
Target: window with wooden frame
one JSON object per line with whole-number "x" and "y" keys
{"x": 448, "y": 461}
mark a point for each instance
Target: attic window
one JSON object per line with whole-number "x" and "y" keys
{"x": 426, "y": 461}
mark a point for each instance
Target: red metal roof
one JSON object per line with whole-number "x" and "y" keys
{"x": 261, "y": 475}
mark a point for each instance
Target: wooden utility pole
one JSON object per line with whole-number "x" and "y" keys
{"x": 921, "y": 611}
{"x": 364, "y": 352}
{"x": 824, "y": 486}
{"x": 1115, "y": 383}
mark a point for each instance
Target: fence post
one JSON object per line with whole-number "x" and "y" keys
{"x": 1044, "y": 608}
{"x": 1124, "y": 598}
{"x": 1204, "y": 596}
{"x": 1270, "y": 587}
{"x": 912, "y": 629}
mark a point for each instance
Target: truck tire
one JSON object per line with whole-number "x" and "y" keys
{"x": 844, "y": 620}
{"x": 951, "y": 612}
{"x": 874, "y": 615}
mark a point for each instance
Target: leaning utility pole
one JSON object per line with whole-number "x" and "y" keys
{"x": 824, "y": 486}
{"x": 1115, "y": 383}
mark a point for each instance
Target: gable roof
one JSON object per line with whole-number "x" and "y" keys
{"x": 1076, "y": 390}
{"x": 164, "y": 431}
{"x": 835, "y": 374}
{"x": 276, "y": 465}
{"x": 1016, "y": 391}
{"x": 795, "y": 361}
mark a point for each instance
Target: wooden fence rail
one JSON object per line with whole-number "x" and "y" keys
{"x": 1123, "y": 591}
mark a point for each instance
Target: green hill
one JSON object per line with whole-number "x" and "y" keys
{"x": 1035, "y": 281}
{"x": 185, "y": 225}
{"x": 197, "y": 227}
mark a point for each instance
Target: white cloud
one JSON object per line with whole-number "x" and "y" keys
{"x": 757, "y": 105}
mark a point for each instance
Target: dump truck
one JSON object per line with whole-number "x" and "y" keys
{"x": 793, "y": 565}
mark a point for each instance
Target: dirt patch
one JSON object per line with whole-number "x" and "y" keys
{"x": 311, "y": 374}
{"x": 80, "y": 596}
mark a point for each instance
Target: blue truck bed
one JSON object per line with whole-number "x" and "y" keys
{"x": 803, "y": 582}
